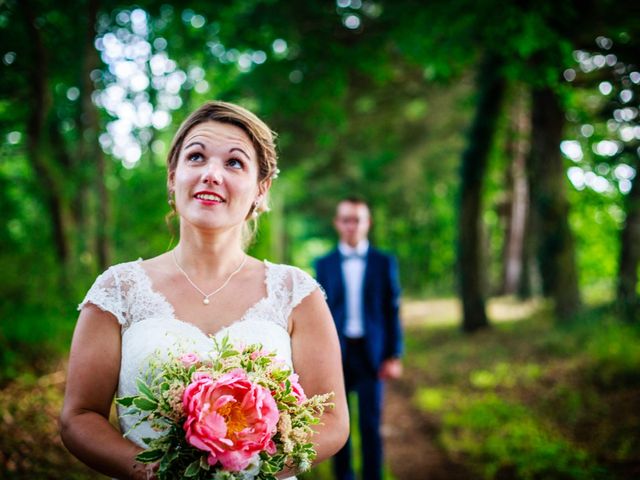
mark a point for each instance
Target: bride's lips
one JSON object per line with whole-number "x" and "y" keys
{"x": 206, "y": 197}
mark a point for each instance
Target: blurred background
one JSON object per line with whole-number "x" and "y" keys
{"x": 498, "y": 143}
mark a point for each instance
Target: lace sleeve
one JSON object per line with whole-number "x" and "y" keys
{"x": 302, "y": 285}
{"x": 106, "y": 294}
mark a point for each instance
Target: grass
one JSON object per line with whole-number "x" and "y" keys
{"x": 533, "y": 400}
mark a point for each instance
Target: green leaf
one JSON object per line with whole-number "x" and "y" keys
{"x": 269, "y": 468}
{"x": 125, "y": 401}
{"x": 144, "y": 389}
{"x": 165, "y": 463}
{"x": 144, "y": 404}
{"x": 193, "y": 469}
{"x": 289, "y": 399}
{"x": 150, "y": 456}
{"x": 204, "y": 464}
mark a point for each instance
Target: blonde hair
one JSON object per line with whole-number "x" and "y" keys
{"x": 261, "y": 136}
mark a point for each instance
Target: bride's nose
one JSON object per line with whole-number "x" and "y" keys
{"x": 213, "y": 173}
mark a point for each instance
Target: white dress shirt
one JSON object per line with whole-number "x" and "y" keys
{"x": 354, "y": 262}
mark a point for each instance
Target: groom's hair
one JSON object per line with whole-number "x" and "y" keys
{"x": 355, "y": 200}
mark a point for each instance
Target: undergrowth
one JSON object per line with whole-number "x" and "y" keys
{"x": 534, "y": 400}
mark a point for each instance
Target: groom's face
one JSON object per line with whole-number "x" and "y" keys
{"x": 352, "y": 222}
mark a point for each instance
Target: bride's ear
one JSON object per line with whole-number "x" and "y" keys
{"x": 264, "y": 186}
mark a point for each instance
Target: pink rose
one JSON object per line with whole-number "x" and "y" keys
{"x": 296, "y": 388}
{"x": 189, "y": 359}
{"x": 230, "y": 418}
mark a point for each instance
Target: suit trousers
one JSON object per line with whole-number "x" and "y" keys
{"x": 362, "y": 378}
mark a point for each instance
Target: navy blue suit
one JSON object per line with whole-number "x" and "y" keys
{"x": 362, "y": 358}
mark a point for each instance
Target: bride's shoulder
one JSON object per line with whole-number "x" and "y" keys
{"x": 125, "y": 266}
{"x": 290, "y": 284}
{"x": 119, "y": 272}
{"x": 292, "y": 277}
{"x": 285, "y": 269}
{"x": 140, "y": 264}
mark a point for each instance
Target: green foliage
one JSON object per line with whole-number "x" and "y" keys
{"x": 499, "y": 436}
{"x": 504, "y": 375}
{"x": 614, "y": 355}
{"x": 530, "y": 400}
{"x": 596, "y": 219}
{"x": 379, "y": 110}
{"x": 32, "y": 337}
{"x": 30, "y": 409}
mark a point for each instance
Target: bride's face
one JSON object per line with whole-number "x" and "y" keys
{"x": 216, "y": 178}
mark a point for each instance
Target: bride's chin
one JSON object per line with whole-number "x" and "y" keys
{"x": 211, "y": 226}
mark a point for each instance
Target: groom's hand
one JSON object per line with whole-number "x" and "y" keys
{"x": 390, "y": 369}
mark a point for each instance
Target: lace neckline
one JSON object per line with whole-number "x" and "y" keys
{"x": 148, "y": 285}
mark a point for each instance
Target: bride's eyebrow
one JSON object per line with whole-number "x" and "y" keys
{"x": 193, "y": 144}
{"x": 238, "y": 149}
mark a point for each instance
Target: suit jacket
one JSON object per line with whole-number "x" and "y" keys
{"x": 380, "y": 302}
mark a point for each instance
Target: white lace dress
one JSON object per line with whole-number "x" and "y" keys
{"x": 149, "y": 324}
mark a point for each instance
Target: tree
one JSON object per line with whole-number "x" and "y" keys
{"x": 515, "y": 261}
{"x": 556, "y": 250}
{"x": 532, "y": 49}
{"x": 52, "y": 95}
{"x": 474, "y": 165}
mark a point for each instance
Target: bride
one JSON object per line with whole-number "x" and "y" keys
{"x": 220, "y": 168}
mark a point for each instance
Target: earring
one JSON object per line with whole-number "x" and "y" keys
{"x": 171, "y": 200}
{"x": 254, "y": 210}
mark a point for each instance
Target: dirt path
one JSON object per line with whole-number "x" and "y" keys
{"x": 411, "y": 450}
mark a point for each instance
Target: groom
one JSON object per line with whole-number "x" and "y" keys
{"x": 363, "y": 292}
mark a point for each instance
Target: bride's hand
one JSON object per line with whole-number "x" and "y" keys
{"x": 144, "y": 471}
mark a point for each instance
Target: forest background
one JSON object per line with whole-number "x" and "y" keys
{"x": 498, "y": 144}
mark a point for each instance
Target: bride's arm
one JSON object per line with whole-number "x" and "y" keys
{"x": 92, "y": 379}
{"x": 317, "y": 360}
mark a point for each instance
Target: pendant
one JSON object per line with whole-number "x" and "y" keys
{"x": 205, "y": 301}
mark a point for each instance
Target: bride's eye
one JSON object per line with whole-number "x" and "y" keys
{"x": 235, "y": 163}
{"x": 195, "y": 157}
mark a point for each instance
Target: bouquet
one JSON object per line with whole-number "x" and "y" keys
{"x": 238, "y": 414}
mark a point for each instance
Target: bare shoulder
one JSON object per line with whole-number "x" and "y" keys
{"x": 255, "y": 266}
{"x": 157, "y": 263}
{"x": 312, "y": 316}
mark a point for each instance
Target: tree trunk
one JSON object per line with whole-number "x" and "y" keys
{"x": 554, "y": 240}
{"x": 38, "y": 138}
{"x": 630, "y": 255}
{"x": 474, "y": 166}
{"x": 91, "y": 129}
{"x": 530, "y": 283}
{"x": 518, "y": 149}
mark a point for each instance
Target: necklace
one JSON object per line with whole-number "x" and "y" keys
{"x": 205, "y": 300}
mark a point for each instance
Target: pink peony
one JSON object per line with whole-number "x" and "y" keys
{"x": 296, "y": 388}
{"x": 189, "y": 359}
{"x": 230, "y": 418}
